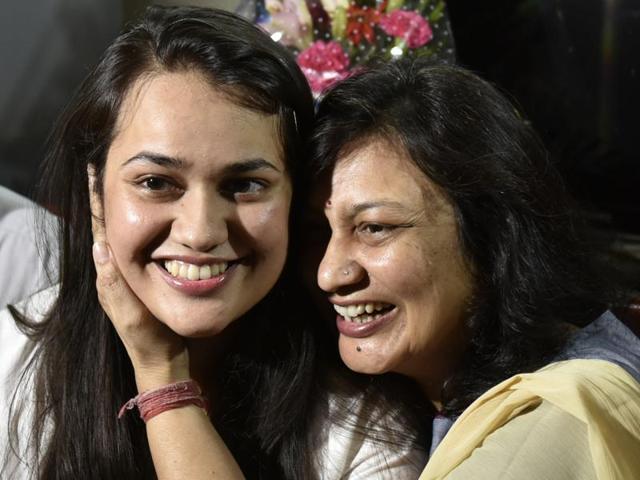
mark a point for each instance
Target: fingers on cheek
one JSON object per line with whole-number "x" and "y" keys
{"x": 107, "y": 280}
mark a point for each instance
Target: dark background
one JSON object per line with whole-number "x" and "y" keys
{"x": 574, "y": 67}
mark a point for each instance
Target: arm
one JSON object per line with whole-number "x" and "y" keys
{"x": 183, "y": 442}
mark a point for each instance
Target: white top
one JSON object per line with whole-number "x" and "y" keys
{"x": 345, "y": 453}
{"x": 23, "y": 268}
{"x": 15, "y": 352}
{"x": 342, "y": 453}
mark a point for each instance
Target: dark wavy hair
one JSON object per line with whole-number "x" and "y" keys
{"x": 80, "y": 371}
{"x": 516, "y": 226}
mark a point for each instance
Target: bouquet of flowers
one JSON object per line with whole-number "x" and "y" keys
{"x": 332, "y": 37}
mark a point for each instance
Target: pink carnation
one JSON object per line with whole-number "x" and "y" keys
{"x": 410, "y": 26}
{"x": 323, "y": 63}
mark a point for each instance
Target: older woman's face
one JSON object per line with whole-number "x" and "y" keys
{"x": 196, "y": 202}
{"x": 393, "y": 268}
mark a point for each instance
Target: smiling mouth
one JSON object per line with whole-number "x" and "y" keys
{"x": 363, "y": 312}
{"x": 189, "y": 271}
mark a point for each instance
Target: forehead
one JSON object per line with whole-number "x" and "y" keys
{"x": 181, "y": 114}
{"x": 376, "y": 171}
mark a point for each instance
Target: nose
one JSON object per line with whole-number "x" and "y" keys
{"x": 338, "y": 268}
{"x": 201, "y": 221}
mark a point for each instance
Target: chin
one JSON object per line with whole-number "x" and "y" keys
{"x": 194, "y": 326}
{"x": 363, "y": 361}
{"x": 195, "y": 332}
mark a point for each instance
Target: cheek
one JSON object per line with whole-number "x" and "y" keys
{"x": 403, "y": 268}
{"x": 268, "y": 227}
{"x": 129, "y": 227}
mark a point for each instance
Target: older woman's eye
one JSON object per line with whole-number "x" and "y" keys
{"x": 375, "y": 228}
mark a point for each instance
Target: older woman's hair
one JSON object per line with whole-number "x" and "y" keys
{"x": 515, "y": 224}
{"x": 81, "y": 371}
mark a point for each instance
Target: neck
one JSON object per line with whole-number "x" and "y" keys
{"x": 443, "y": 365}
{"x": 432, "y": 391}
{"x": 206, "y": 356}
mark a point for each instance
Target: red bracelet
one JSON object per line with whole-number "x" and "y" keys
{"x": 174, "y": 395}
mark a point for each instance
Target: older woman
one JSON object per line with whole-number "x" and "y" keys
{"x": 453, "y": 261}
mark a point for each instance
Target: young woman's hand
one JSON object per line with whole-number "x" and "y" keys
{"x": 159, "y": 356}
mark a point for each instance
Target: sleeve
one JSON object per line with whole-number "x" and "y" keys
{"x": 23, "y": 272}
{"x": 16, "y": 350}
{"x": 346, "y": 453}
{"x": 545, "y": 443}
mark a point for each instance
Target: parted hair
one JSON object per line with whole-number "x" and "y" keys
{"x": 80, "y": 370}
{"x": 517, "y": 227}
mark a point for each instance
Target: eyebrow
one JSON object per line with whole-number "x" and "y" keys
{"x": 361, "y": 207}
{"x": 249, "y": 165}
{"x": 235, "y": 168}
{"x": 157, "y": 158}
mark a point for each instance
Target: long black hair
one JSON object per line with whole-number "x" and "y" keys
{"x": 80, "y": 371}
{"x": 516, "y": 226}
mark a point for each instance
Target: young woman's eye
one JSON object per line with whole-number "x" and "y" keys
{"x": 156, "y": 184}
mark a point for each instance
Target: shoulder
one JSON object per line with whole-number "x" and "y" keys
{"x": 15, "y": 347}
{"x": 16, "y": 351}
{"x": 348, "y": 450}
{"x": 606, "y": 338}
{"x": 18, "y": 248}
{"x": 36, "y": 307}
{"x": 574, "y": 413}
{"x": 544, "y": 442}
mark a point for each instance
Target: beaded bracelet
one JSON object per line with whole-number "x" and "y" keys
{"x": 174, "y": 395}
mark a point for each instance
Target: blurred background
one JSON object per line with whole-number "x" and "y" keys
{"x": 572, "y": 65}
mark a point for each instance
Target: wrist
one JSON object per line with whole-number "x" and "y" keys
{"x": 151, "y": 377}
{"x": 168, "y": 397}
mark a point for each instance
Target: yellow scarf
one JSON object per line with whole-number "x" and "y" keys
{"x": 599, "y": 393}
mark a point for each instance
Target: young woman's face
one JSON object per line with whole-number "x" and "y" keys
{"x": 393, "y": 268}
{"x": 196, "y": 202}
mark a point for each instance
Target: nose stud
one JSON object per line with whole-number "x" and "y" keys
{"x": 347, "y": 271}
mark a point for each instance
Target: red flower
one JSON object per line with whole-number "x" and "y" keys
{"x": 323, "y": 63}
{"x": 360, "y": 23}
{"x": 410, "y": 26}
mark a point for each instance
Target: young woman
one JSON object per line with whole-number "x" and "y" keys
{"x": 190, "y": 130}
{"x": 453, "y": 260}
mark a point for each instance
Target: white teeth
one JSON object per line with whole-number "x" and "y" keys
{"x": 173, "y": 268}
{"x": 184, "y": 271}
{"x": 356, "y": 313}
{"x": 194, "y": 272}
{"x": 205, "y": 272}
{"x": 340, "y": 309}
